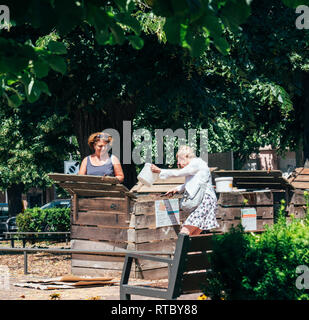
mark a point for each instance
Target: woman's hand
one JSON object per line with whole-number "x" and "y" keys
{"x": 171, "y": 192}
{"x": 155, "y": 169}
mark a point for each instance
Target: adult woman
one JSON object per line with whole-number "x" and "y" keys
{"x": 197, "y": 175}
{"x": 100, "y": 163}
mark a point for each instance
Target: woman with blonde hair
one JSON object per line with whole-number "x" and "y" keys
{"x": 100, "y": 163}
{"x": 198, "y": 177}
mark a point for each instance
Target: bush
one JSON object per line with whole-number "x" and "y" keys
{"x": 39, "y": 220}
{"x": 260, "y": 266}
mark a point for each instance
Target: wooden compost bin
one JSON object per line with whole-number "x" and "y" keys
{"x": 100, "y": 220}
{"x": 231, "y": 203}
{"x": 105, "y": 215}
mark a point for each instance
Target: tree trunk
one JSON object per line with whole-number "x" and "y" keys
{"x": 86, "y": 122}
{"x": 14, "y": 193}
{"x": 306, "y": 119}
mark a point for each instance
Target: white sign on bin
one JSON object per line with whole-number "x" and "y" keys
{"x": 248, "y": 219}
{"x": 71, "y": 167}
{"x": 167, "y": 212}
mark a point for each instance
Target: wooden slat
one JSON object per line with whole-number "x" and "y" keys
{"x": 200, "y": 243}
{"x": 302, "y": 177}
{"x": 92, "y": 186}
{"x": 231, "y": 199}
{"x": 198, "y": 261}
{"x": 147, "y": 235}
{"x": 98, "y": 245}
{"x": 305, "y": 171}
{"x": 60, "y": 177}
{"x": 99, "y": 193}
{"x": 230, "y": 213}
{"x": 149, "y": 221}
{"x": 155, "y": 188}
{"x": 102, "y": 204}
{"x": 250, "y": 173}
{"x": 103, "y": 219}
{"x": 300, "y": 185}
{"x": 225, "y": 226}
{"x": 97, "y": 233}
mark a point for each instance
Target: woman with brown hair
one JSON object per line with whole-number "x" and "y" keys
{"x": 100, "y": 163}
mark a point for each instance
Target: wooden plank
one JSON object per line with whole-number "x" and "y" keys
{"x": 305, "y": 171}
{"x": 74, "y": 208}
{"x": 81, "y": 271}
{"x": 198, "y": 261}
{"x": 297, "y": 211}
{"x": 300, "y": 185}
{"x": 97, "y": 257}
{"x": 302, "y": 178}
{"x": 60, "y": 177}
{"x": 98, "y": 245}
{"x": 147, "y": 235}
{"x": 104, "y": 204}
{"x": 171, "y": 180}
{"x": 230, "y": 213}
{"x": 95, "y": 218}
{"x": 161, "y": 245}
{"x": 155, "y": 188}
{"x": 99, "y": 193}
{"x": 149, "y": 221}
{"x": 226, "y": 225}
{"x": 97, "y": 264}
{"x": 97, "y": 233}
{"x": 92, "y": 186}
{"x": 152, "y": 274}
{"x": 200, "y": 243}
{"x": 231, "y": 199}
{"x": 250, "y": 173}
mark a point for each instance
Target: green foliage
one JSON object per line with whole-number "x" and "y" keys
{"x": 259, "y": 266}
{"x": 40, "y": 220}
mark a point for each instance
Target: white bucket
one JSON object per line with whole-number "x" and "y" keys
{"x": 224, "y": 184}
{"x": 146, "y": 176}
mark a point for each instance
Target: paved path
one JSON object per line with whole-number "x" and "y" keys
{"x": 100, "y": 293}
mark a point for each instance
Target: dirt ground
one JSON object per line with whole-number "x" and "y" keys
{"x": 45, "y": 266}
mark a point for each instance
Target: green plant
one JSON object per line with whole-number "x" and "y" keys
{"x": 306, "y": 195}
{"x": 259, "y": 266}
{"x": 38, "y": 220}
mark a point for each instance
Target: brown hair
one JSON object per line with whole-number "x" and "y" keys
{"x": 95, "y": 137}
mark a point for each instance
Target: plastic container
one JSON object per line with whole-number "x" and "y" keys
{"x": 224, "y": 184}
{"x": 146, "y": 176}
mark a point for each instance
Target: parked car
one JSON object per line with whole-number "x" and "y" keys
{"x": 4, "y": 212}
{"x": 11, "y": 225}
{"x": 59, "y": 203}
{"x": 4, "y": 215}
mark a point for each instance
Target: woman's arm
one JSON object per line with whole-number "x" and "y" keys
{"x": 188, "y": 170}
{"x": 117, "y": 169}
{"x": 83, "y": 167}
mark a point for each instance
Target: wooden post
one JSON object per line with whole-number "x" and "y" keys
{"x": 25, "y": 263}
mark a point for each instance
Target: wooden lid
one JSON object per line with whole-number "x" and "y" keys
{"x": 300, "y": 178}
{"x": 161, "y": 185}
{"x": 88, "y": 185}
{"x": 256, "y": 179}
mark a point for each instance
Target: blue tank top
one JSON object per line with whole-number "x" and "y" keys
{"x": 106, "y": 169}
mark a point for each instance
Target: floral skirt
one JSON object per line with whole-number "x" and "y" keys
{"x": 204, "y": 216}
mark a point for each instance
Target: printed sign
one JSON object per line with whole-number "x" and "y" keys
{"x": 248, "y": 219}
{"x": 167, "y": 212}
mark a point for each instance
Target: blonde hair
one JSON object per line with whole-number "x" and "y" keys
{"x": 186, "y": 151}
{"x": 95, "y": 137}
